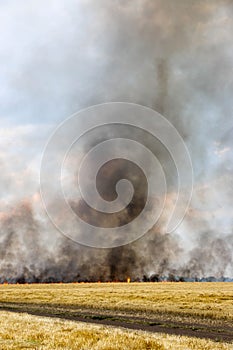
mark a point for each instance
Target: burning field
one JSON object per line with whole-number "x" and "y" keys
{"x": 165, "y": 56}
{"x": 78, "y": 249}
{"x": 29, "y": 255}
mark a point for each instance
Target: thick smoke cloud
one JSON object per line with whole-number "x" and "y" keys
{"x": 175, "y": 57}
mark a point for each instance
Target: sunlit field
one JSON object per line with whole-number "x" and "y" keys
{"x": 202, "y": 310}
{"x": 20, "y": 331}
{"x": 212, "y": 301}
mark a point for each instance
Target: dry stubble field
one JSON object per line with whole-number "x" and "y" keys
{"x": 157, "y": 315}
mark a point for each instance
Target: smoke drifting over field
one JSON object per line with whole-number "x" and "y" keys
{"x": 25, "y": 256}
{"x": 175, "y": 57}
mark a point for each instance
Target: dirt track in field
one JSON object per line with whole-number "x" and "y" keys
{"x": 199, "y": 330}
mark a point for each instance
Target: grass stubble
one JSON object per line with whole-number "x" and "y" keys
{"x": 194, "y": 303}
{"x": 22, "y": 331}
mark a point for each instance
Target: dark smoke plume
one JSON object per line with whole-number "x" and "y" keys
{"x": 172, "y": 56}
{"x": 25, "y": 258}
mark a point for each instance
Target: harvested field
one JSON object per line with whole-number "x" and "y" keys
{"x": 21, "y": 331}
{"x": 203, "y": 310}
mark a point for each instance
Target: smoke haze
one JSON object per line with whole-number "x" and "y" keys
{"x": 173, "y": 56}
